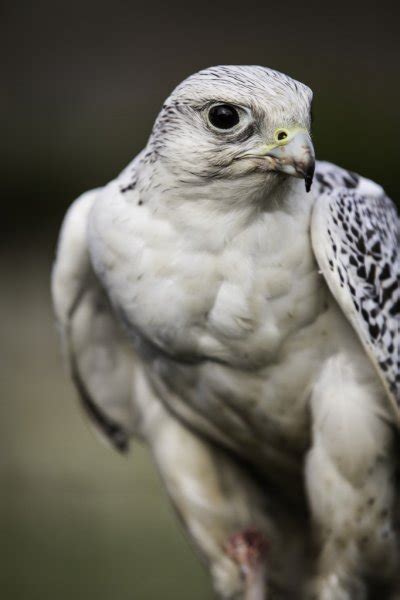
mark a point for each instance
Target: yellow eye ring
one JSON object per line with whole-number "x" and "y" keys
{"x": 281, "y": 135}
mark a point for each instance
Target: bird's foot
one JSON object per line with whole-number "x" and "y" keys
{"x": 248, "y": 548}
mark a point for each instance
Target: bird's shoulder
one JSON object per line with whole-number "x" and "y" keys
{"x": 356, "y": 240}
{"x": 98, "y": 355}
{"x": 72, "y": 264}
{"x": 330, "y": 177}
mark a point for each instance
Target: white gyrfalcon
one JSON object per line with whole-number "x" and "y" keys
{"x": 254, "y": 304}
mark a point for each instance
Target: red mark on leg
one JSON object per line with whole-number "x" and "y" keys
{"x": 248, "y": 548}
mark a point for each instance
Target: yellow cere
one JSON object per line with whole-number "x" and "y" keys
{"x": 283, "y": 136}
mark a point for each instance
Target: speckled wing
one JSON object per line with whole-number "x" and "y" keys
{"x": 356, "y": 239}
{"x": 99, "y": 357}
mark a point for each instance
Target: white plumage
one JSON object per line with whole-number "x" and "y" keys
{"x": 190, "y": 300}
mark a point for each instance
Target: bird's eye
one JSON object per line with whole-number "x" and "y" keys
{"x": 223, "y": 116}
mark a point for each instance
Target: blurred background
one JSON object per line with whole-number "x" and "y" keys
{"x": 82, "y": 83}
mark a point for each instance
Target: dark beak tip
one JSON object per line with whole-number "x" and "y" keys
{"x": 309, "y": 176}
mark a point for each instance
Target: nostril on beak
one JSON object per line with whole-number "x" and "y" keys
{"x": 281, "y": 135}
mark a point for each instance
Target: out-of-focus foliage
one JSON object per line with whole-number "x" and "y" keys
{"x": 81, "y": 85}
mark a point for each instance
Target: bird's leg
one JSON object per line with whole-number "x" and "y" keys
{"x": 214, "y": 496}
{"x": 349, "y": 479}
{"x": 248, "y": 549}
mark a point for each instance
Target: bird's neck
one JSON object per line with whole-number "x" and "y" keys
{"x": 214, "y": 213}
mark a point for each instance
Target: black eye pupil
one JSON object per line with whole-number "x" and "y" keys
{"x": 223, "y": 116}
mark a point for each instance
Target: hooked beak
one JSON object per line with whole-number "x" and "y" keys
{"x": 292, "y": 153}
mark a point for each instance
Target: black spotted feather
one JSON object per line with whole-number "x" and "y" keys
{"x": 356, "y": 240}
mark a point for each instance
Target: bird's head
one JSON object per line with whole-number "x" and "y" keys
{"x": 247, "y": 124}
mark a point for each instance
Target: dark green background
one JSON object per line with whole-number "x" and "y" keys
{"x": 82, "y": 84}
